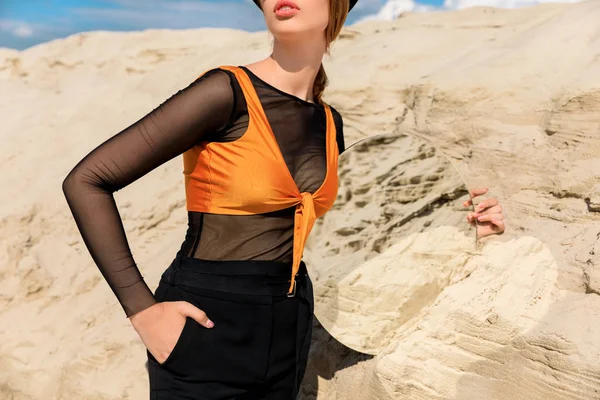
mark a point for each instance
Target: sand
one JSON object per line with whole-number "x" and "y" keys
{"x": 511, "y": 96}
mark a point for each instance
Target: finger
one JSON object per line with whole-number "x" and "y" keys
{"x": 490, "y": 217}
{"x": 497, "y": 224}
{"x": 477, "y": 192}
{"x": 500, "y": 226}
{"x": 497, "y": 209}
{"x": 491, "y": 202}
{"x": 468, "y": 202}
{"x": 484, "y": 230}
{"x": 200, "y": 316}
{"x": 472, "y": 217}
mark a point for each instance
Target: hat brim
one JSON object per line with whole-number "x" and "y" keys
{"x": 352, "y": 3}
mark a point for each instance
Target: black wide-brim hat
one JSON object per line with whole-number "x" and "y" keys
{"x": 352, "y": 3}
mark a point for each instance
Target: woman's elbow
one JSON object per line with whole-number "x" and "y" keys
{"x": 84, "y": 179}
{"x": 71, "y": 182}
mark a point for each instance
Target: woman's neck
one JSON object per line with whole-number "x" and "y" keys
{"x": 292, "y": 67}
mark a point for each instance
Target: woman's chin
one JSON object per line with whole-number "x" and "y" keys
{"x": 288, "y": 31}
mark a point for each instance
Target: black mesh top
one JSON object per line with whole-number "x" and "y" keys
{"x": 212, "y": 108}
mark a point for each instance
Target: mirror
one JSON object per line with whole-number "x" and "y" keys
{"x": 390, "y": 243}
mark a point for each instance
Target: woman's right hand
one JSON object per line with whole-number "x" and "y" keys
{"x": 160, "y": 325}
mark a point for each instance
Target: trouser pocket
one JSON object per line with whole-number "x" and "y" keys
{"x": 180, "y": 345}
{"x": 235, "y": 349}
{"x": 164, "y": 293}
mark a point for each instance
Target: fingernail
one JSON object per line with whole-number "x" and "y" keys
{"x": 210, "y": 323}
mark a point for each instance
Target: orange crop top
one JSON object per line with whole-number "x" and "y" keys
{"x": 250, "y": 176}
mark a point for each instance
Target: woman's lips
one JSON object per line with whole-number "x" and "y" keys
{"x": 286, "y": 9}
{"x": 286, "y": 12}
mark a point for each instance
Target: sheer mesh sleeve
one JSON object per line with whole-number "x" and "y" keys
{"x": 193, "y": 114}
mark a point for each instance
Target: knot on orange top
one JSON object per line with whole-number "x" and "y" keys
{"x": 304, "y": 219}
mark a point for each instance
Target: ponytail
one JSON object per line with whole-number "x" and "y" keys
{"x": 319, "y": 85}
{"x": 338, "y": 11}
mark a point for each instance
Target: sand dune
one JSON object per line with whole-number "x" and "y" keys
{"x": 512, "y": 97}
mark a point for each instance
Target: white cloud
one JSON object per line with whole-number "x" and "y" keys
{"x": 460, "y": 4}
{"x": 390, "y": 10}
{"x": 393, "y": 8}
{"x": 23, "y": 31}
{"x": 16, "y": 28}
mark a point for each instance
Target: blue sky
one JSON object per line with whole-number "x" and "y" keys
{"x": 24, "y": 23}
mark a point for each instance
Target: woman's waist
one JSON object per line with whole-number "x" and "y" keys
{"x": 252, "y": 277}
{"x": 233, "y": 237}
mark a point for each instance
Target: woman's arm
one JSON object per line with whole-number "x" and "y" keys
{"x": 188, "y": 117}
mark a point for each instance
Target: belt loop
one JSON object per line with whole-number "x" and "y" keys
{"x": 303, "y": 268}
{"x": 293, "y": 290}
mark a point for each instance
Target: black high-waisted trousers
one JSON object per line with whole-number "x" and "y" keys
{"x": 258, "y": 348}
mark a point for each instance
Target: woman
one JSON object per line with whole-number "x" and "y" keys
{"x": 231, "y": 317}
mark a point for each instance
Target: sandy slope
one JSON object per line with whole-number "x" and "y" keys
{"x": 512, "y": 96}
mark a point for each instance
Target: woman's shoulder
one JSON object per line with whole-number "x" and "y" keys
{"x": 223, "y": 69}
{"x": 216, "y": 73}
{"x": 339, "y": 128}
{"x": 218, "y": 79}
{"x": 337, "y": 117}
{"x": 223, "y": 75}
{"x": 336, "y": 113}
